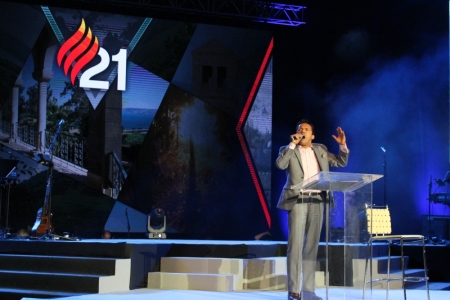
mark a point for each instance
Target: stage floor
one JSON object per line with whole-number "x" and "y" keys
{"x": 334, "y": 294}
{"x": 145, "y": 254}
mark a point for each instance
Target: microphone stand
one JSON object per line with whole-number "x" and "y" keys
{"x": 3, "y": 233}
{"x": 429, "y": 240}
{"x": 5, "y": 183}
{"x": 385, "y": 174}
{"x": 7, "y": 209}
{"x": 2, "y": 185}
{"x": 128, "y": 222}
{"x": 431, "y": 197}
{"x": 1, "y": 198}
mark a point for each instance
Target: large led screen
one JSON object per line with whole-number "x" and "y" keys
{"x": 156, "y": 114}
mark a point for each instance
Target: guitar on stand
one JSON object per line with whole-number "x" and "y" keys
{"x": 43, "y": 225}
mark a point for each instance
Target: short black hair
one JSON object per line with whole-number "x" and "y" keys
{"x": 302, "y": 121}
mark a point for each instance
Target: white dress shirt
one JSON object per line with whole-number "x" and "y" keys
{"x": 309, "y": 161}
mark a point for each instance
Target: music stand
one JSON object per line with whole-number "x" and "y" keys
{"x": 8, "y": 174}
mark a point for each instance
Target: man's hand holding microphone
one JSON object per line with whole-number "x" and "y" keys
{"x": 295, "y": 138}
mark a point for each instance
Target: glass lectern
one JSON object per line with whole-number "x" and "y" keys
{"x": 344, "y": 233}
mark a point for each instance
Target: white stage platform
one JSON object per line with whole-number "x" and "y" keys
{"x": 146, "y": 257}
{"x": 148, "y": 294}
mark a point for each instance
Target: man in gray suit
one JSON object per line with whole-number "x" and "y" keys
{"x": 302, "y": 159}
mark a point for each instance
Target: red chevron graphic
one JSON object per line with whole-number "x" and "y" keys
{"x": 240, "y": 134}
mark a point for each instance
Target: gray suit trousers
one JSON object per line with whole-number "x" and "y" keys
{"x": 305, "y": 223}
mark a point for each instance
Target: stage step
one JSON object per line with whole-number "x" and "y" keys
{"x": 190, "y": 281}
{"x": 433, "y": 286}
{"x": 45, "y": 263}
{"x": 50, "y": 276}
{"x": 21, "y": 294}
{"x": 222, "y": 274}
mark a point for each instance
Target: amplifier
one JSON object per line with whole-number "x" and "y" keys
{"x": 439, "y": 226}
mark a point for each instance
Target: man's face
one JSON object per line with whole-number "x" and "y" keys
{"x": 305, "y": 130}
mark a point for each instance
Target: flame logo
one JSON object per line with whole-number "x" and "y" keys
{"x": 79, "y": 50}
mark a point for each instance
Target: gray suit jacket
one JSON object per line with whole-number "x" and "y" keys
{"x": 289, "y": 160}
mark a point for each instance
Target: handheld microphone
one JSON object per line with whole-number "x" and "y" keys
{"x": 293, "y": 137}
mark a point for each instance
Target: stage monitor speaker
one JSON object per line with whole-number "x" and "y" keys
{"x": 439, "y": 226}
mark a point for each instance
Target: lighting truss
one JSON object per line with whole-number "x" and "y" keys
{"x": 257, "y": 11}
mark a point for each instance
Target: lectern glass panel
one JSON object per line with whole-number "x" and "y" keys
{"x": 341, "y": 258}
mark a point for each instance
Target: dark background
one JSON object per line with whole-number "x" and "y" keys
{"x": 380, "y": 71}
